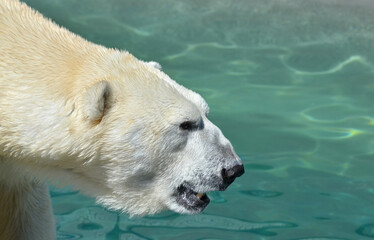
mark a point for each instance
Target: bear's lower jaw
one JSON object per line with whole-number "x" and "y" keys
{"x": 189, "y": 199}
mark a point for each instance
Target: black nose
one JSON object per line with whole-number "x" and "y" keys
{"x": 229, "y": 175}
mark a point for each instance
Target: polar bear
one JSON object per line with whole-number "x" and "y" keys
{"x": 101, "y": 120}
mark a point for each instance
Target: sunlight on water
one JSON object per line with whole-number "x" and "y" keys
{"x": 290, "y": 83}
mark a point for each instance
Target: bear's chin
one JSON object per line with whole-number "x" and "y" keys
{"x": 133, "y": 207}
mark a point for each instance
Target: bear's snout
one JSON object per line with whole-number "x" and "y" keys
{"x": 229, "y": 175}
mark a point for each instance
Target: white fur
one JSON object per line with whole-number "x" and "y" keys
{"x": 25, "y": 206}
{"x": 155, "y": 65}
{"x": 98, "y": 119}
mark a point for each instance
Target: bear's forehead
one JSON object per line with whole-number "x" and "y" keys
{"x": 163, "y": 87}
{"x": 195, "y": 99}
{"x": 200, "y": 102}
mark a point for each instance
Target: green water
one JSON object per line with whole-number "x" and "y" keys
{"x": 290, "y": 83}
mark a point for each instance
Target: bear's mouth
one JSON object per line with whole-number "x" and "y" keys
{"x": 190, "y": 199}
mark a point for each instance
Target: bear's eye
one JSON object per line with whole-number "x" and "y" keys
{"x": 187, "y": 126}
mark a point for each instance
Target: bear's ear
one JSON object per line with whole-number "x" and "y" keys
{"x": 97, "y": 101}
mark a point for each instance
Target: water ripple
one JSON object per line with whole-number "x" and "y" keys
{"x": 261, "y": 193}
{"x": 366, "y": 230}
{"x": 335, "y": 69}
{"x": 206, "y": 221}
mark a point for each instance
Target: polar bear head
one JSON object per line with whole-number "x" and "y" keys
{"x": 157, "y": 148}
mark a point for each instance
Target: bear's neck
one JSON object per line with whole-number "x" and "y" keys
{"x": 25, "y": 207}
